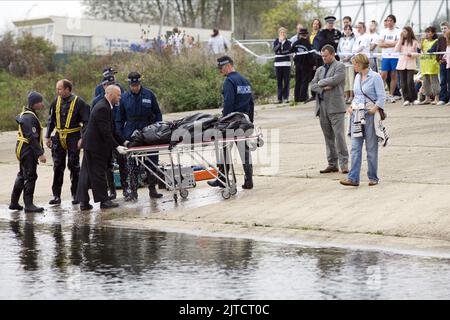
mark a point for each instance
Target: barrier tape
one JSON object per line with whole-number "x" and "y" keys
{"x": 372, "y": 55}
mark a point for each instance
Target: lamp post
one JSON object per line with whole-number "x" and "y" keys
{"x": 232, "y": 19}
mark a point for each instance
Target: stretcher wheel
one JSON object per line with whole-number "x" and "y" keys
{"x": 226, "y": 194}
{"x": 184, "y": 194}
{"x": 233, "y": 190}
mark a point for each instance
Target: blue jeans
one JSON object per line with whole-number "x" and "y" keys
{"x": 444, "y": 94}
{"x": 371, "y": 148}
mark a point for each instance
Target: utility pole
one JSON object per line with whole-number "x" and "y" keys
{"x": 232, "y": 19}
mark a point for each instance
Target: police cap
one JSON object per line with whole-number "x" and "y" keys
{"x": 134, "y": 78}
{"x": 108, "y": 71}
{"x": 224, "y": 61}
{"x": 108, "y": 80}
{"x": 330, "y": 19}
{"x": 303, "y": 31}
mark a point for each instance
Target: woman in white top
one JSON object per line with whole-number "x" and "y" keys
{"x": 362, "y": 41}
{"x": 218, "y": 44}
{"x": 344, "y": 51}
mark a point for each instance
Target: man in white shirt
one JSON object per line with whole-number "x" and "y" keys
{"x": 388, "y": 39}
{"x": 362, "y": 42}
{"x": 374, "y": 38}
{"x": 347, "y": 21}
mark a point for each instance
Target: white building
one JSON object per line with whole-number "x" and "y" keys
{"x": 79, "y": 35}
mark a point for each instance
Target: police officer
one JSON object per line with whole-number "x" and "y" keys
{"x": 29, "y": 151}
{"x": 304, "y": 65}
{"x": 100, "y": 88}
{"x": 139, "y": 108}
{"x": 329, "y": 35}
{"x": 237, "y": 94}
{"x": 69, "y": 115}
{"x": 121, "y": 159}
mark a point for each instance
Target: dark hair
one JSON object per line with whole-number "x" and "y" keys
{"x": 431, "y": 29}
{"x": 348, "y": 18}
{"x": 67, "y": 84}
{"x": 320, "y": 23}
{"x": 363, "y": 25}
{"x": 410, "y": 38}
{"x": 392, "y": 17}
{"x": 215, "y": 32}
{"x": 329, "y": 48}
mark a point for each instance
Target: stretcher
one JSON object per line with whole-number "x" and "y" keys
{"x": 177, "y": 178}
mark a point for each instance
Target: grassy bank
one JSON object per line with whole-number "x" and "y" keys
{"x": 181, "y": 83}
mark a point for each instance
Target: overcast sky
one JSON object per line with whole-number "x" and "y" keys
{"x": 19, "y": 10}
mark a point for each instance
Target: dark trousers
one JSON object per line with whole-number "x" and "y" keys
{"x": 444, "y": 94}
{"x": 246, "y": 158}
{"x": 123, "y": 171}
{"x": 93, "y": 176}
{"x": 283, "y": 78}
{"x": 408, "y": 86}
{"x": 59, "y": 155}
{"x": 448, "y": 82}
{"x": 303, "y": 76}
{"x": 134, "y": 170}
{"x": 25, "y": 180}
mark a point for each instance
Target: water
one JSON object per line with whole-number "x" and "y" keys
{"x": 82, "y": 261}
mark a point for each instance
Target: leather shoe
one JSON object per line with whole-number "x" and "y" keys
{"x": 372, "y": 183}
{"x": 329, "y": 170}
{"x": 108, "y": 204}
{"x": 75, "y": 201}
{"x": 55, "y": 200}
{"x": 216, "y": 183}
{"x": 112, "y": 196}
{"x": 345, "y": 171}
{"x": 15, "y": 206}
{"x": 86, "y": 206}
{"x": 349, "y": 183}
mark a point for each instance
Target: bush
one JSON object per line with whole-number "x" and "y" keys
{"x": 186, "y": 82}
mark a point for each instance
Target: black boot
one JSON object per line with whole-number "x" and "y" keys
{"x": 29, "y": 205}
{"x": 152, "y": 188}
{"x": 216, "y": 183}
{"x": 248, "y": 179}
{"x": 111, "y": 185}
{"x": 153, "y": 193}
{"x": 15, "y": 196}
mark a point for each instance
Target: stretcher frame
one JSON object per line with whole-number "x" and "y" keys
{"x": 221, "y": 147}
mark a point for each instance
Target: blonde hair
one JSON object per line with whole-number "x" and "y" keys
{"x": 362, "y": 60}
{"x": 282, "y": 29}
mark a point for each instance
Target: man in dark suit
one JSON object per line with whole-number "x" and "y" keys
{"x": 99, "y": 140}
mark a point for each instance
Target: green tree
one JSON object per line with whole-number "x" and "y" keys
{"x": 288, "y": 14}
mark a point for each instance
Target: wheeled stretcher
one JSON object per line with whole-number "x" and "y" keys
{"x": 177, "y": 177}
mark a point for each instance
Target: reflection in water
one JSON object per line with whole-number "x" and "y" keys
{"x": 82, "y": 261}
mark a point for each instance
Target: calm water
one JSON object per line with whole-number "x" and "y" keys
{"x": 51, "y": 261}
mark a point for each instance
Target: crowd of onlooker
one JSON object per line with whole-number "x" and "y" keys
{"x": 413, "y": 67}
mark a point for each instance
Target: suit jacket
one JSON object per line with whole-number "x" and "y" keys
{"x": 100, "y": 136}
{"x": 333, "y": 100}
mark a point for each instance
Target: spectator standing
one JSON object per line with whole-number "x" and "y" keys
{"x": 429, "y": 68}
{"x": 441, "y": 47}
{"x": 364, "y": 121}
{"x": 282, "y": 49}
{"x": 408, "y": 48}
{"x": 387, "y": 43}
{"x": 374, "y": 38}
{"x": 316, "y": 25}
{"x": 344, "y": 51}
{"x": 362, "y": 40}
{"x": 218, "y": 44}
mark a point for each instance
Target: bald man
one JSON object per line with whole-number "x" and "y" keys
{"x": 99, "y": 141}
